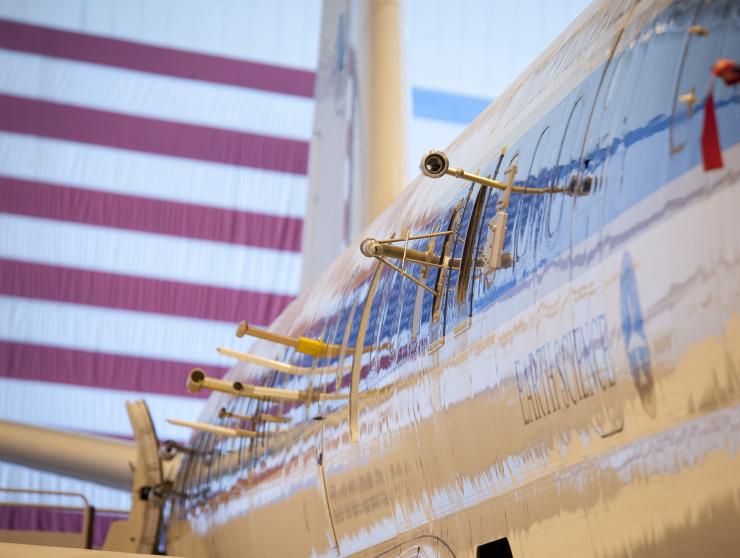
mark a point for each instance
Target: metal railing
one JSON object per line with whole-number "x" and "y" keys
{"x": 82, "y": 539}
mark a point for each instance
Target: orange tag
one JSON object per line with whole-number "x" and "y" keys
{"x": 728, "y": 70}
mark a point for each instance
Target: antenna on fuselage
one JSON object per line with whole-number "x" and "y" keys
{"x": 305, "y": 345}
{"x": 435, "y": 164}
{"x": 261, "y": 417}
{"x": 276, "y": 364}
{"x": 311, "y": 347}
{"x": 214, "y": 429}
{"x": 266, "y": 362}
{"x": 381, "y": 250}
{"x": 197, "y": 380}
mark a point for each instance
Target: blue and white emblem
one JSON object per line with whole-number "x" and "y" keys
{"x": 633, "y": 332}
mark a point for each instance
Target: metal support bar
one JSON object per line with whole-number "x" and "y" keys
{"x": 402, "y": 272}
{"x": 483, "y": 181}
{"x": 81, "y": 539}
{"x": 508, "y": 186}
{"x": 416, "y": 237}
{"x": 381, "y": 250}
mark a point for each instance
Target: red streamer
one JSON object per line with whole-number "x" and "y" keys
{"x": 710, "y": 148}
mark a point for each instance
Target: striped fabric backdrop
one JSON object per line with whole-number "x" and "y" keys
{"x": 153, "y": 183}
{"x": 152, "y": 190}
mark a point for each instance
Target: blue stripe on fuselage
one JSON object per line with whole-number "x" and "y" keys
{"x": 644, "y": 164}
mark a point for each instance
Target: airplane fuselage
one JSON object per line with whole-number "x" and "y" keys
{"x": 582, "y": 401}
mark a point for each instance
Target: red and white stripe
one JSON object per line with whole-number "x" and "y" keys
{"x": 150, "y": 198}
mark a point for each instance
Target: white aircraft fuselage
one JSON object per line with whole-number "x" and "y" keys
{"x": 583, "y": 401}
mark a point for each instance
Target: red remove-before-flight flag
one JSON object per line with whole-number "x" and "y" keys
{"x": 710, "y": 149}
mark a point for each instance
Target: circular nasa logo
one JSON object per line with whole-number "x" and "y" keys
{"x": 633, "y": 333}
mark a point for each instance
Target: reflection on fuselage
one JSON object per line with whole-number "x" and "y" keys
{"x": 584, "y": 401}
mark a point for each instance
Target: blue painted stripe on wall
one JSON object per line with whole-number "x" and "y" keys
{"x": 441, "y": 105}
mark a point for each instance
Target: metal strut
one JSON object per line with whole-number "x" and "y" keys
{"x": 435, "y": 164}
{"x": 381, "y": 250}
